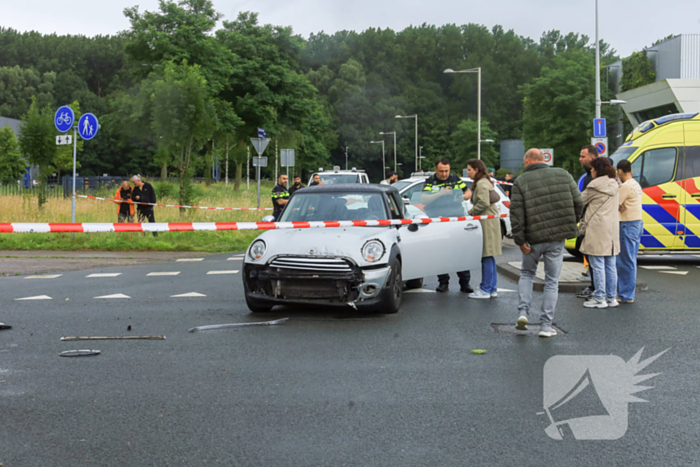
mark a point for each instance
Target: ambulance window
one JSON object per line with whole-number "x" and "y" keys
{"x": 637, "y": 169}
{"x": 659, "y": 167}
{"x": 692, "y": 162}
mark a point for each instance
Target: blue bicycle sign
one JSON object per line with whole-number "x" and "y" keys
{"x": 64, "y": 119}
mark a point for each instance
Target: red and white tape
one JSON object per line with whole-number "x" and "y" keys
{"x": 173, "y": 205}
{"x": 499, "y": 182}
{"x": 211, "y": 226}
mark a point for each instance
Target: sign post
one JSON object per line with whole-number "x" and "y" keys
{"x": 601, "y": 144}
{"x": 259, "y": 144}
{"x": 64, "y": 120}
{"x": 287, "y": 159}
{"x": 548, "y": 154}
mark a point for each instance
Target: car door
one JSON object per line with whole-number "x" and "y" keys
{"x": 691, "y": 185}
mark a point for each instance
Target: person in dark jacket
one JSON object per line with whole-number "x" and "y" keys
{"x": 545, "y": 209}
{"x": 144, "y": 193}
{"x": 297, "y": 185}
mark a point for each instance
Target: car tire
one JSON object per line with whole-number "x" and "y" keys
{"x": 503, "y": 229}
{"x": 414, "y": 284}
{"x": 392, "y": 293}
{"x": 256, "y": 307}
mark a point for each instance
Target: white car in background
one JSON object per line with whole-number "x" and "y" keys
{"x": 338, "y": 176}
{"x": 412, "y": 188}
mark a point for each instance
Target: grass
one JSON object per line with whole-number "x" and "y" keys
{"x": 25, "y": 209}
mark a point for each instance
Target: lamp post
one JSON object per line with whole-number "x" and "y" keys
{"x": 420, "y": 158}
{"x": 415, "y": 116}
{"x": 383, "y": 161}
{"x": 391, "y": 133}
{"x": 478, "y": 104}
{"x": 346, "y": 157}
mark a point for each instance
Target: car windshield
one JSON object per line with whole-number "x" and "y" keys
{"x": 622, "y": 153}
{"x": 402, "y": 184}
{"x": 310, "y": 207}
{"x": 335, "y": 179}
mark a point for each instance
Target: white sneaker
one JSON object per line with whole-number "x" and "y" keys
{"x": 522, "y": 323}
{"x": 480, "y": 294}
{"x": 494, "y": 294}
{"x": 612, "y": 303}
{"x": 547, "y": 331}
{"x": 595, "y": 303}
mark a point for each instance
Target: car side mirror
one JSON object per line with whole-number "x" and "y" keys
{"x": 406, "y": 201}
{"x": 268, "y": 219}
{"x": 414, "y": 227}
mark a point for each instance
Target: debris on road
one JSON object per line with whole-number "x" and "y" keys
{"x": 110, "y": 338}
{"x": 5, "y": 326}
{"x": 79, "y": 353}
{"x": 237, "y": 325}
{"x": 478, "y": 351}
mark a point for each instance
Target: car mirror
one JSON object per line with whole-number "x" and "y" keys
{"x": 268, "y": 219}
{"x": 406, "y": 201}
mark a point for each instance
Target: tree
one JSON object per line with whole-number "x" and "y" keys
{"x": 637, "y": 71}
{"x": 37, "y": 143}
{"x": 464, "y": 144}
{"x": 12, "y": 165}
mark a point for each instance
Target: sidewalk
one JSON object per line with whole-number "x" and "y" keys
{"x": 570, "y": 280}
{"x": 14, "y": 262}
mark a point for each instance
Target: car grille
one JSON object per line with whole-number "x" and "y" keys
{"x": 311, "y": 264}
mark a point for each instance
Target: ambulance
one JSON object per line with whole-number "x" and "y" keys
{"x": 665, "y": 157}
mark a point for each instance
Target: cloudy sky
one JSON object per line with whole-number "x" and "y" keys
{"x": 628, "y": 25}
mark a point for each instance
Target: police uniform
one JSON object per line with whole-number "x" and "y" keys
{"x": 448, "y": 206}
{"x": 278, "y": 192}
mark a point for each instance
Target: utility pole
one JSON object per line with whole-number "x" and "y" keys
{"x": 346, "y": 157}
{"x": 597, "y": 65}
{"x": 247, "y": 167}
{"x": 276, "y": 176}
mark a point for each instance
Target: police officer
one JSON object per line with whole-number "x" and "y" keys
{"x": 280, "y": 196}
{"x": 442, "y": 196}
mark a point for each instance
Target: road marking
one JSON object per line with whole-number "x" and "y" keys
{"x": 235, "y": 258}
{"x": 504, "y": 290}
{"x": 38, "y": 297}
{"x": 234, "y": 271}
{"x": 191, "y": 294}
{"x": 171, "y": 273}
{"x": 680, "y": 273}
{"x": 105, "y": 274}
{"x": 116, "y": 295}
{"x": 47, "y": 276}
{"x": 190, "y": 259}
{"x": 420, "y": 291}
{"x": 658, "y": 267}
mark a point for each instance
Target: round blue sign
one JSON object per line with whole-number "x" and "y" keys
{"x": 600, "y": 147}
{"x": 64, "y": 119}
{"x": 88, "y": 126}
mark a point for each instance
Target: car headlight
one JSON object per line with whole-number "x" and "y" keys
{"x": 373, "y": 250}
{"x": 257, "y": 250}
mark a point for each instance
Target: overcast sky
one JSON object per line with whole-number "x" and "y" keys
{"x": 628, "y": 25}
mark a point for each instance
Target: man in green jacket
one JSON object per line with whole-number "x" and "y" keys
{"x": 545, "y": 208}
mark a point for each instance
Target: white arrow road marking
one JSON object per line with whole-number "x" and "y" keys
{"x": 191, "y": 294}
{"x": 680, "y": 273}
{"x": 658, "y": 267}
{"x": 190, "y": 259}
{"x": 105, "y": 274}
{"x": 46, "y": 276}
{"x": 235, "y": 271}
{"x": 172, "y": 273}
{"x": 419, "y": 291}
{"x": 38, "y": 297}
{"x": 116, "y": 295}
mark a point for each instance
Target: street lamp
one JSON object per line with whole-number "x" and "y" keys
{"x": 614, "y": 102}
{"x": 416, "y": 117}
{"x": 383, "y": 161}
{"x": 391, "y": 133}
{"x": 478, "y": 104}
{"x": 346, "y": 157}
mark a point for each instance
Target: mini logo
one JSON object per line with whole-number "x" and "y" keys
{"x": 311, "y": 252}
{"x": 587, "y": 396}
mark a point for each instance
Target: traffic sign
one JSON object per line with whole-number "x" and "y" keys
{"x": 259, "y": 161}
{"x": 548, "y": 154}
{"x": 262, "y": 133}
{"x": 287, "y": 157}
{"x": 599, "y": 128}
{"x": 601, "y": 144}
{"x": 64, "y": 139}
{"x": 260, "y": 144}
{"x": 88, "y": 126}
{"x": 64, "y": 119}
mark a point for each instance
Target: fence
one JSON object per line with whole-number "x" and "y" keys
{"x": 17, "y": 188}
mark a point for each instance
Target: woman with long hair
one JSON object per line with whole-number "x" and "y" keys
{"x": 601, "y": 241}
{"x": 482, "y": 206}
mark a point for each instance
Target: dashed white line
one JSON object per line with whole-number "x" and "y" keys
{"x": 235, "y": 258}
{"x": 504, "y": 290}
{"x": 420, "y": 291}
{"x": 46, "y": 276}
{"x": 169, "y": 273}
{"x": 189, "y": 259}
{"x": 116, "y": 295}
{"x": 657, "y": 267}
{"x": 234, "y": 271}
{"x": 680, "y": 273}
{"x": 38, "y": 297}
{"x": 190, "y": 294}
{"x": 105, "y": 274}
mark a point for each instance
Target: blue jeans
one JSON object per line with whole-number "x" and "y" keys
{"x": 630, "y": 236}
{"x": 553, "y": 255}
{"x": 489, "y": 276}
{"x": 605, "y": 276}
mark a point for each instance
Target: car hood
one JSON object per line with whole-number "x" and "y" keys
{"x": 345, "y": 242}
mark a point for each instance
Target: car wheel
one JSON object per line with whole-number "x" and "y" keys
{"x": 503, "y": 229}
{"x": 392, "y": 294}
{"x": 256, "y": 307}
{"x": 414, "y": 284}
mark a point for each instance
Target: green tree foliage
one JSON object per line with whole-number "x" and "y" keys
{"x": 37, "y": 143}
{"x": 12, "y": 165}
{"x": 464, "y": 144}
{"x": 637, "y": 71}
{"x": 19, "y": 85}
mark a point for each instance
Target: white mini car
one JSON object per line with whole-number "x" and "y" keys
{"x": 361, "y": 267}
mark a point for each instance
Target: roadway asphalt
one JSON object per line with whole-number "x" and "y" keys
{"x": 326, "y": 388}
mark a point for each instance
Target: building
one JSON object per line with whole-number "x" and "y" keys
{"x": 32, "y": 172}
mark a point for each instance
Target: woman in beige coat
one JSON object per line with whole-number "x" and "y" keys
{"x": 482, "y": 185}
{"x": 601, "y": 242}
